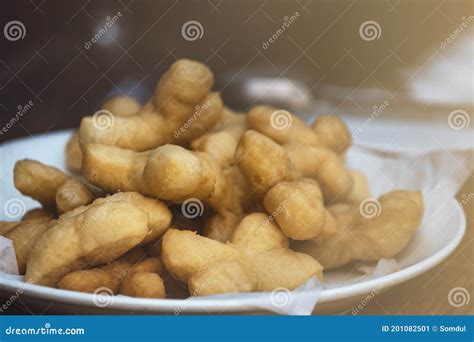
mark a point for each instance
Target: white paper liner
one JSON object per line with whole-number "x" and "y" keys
{"x": 383, "y": 267}
{"x": 439, "y": 174}
{"x": 300, "y": 301}
{"x": 7, "y": 257}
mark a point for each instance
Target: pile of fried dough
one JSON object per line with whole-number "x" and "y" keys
{"x": 183, "y": 196}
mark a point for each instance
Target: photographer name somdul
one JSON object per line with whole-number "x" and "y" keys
{"x": 447, "y": 328}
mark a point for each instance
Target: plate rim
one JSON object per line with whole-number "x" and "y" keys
{"x": 225, "y": 305}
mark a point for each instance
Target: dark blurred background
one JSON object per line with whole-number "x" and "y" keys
{"x": 56, "y": 66}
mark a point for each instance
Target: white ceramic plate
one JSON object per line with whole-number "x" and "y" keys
{"x": 336, "y": 297}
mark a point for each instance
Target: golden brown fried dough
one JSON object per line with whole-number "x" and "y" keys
{"x": 201, "y": 120}
{"x": 89, "y": 281}
{"x": 144, "y": 285}
{"x": 73, "y": 153}
{"x": 231, "y": 119}
{"x": 257, "y": 260}
{"x": 238, "y": 197}
{"x": 324, "y": 166}
{"x": 98, "y": 234}
{"x": 174, "y": 288}
{"x": 113, "y": 169}
{"x": 280, "y": 268}
{"x": 185, "y": 253}
{"x": 256, "y": 233}
{"x": 38, "y": 181}
{"x": 185, "y": 82}
{"x": 327, "y": 130}
{"x": 37, "y": 214}
{"x": 184, "y": 146}
{"x": 121, "y": 106}
{"x": 332, "y": 133}
{"x": 222, "y": 141}
{"x": 72, "y": 194}
{"x": 169, "y": 172}
{"x": 120, "y": 276}
{"x": 24, "y": 236}
{"x": 181, "y": 109}
{"x": 221, "y": 226}
{"x": 25, "y": 233}
{"x": 297, "y": 207}
{"x": 6, "y": 226}
{"x": 296, "y": 203}
{"x": 139, "y": 132}
{"x": 149, "y": 265}
{"x": 109, "y": 276}
{"x": 266, "y": 120}
{"x": 263, "y": 162}
{"x": 219, "y": 145}
{"x": 159, "y": 216}
{"x": 174, "y": 173}
{"x": 366, "y": 237}
{"x": 42, "y": 183}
